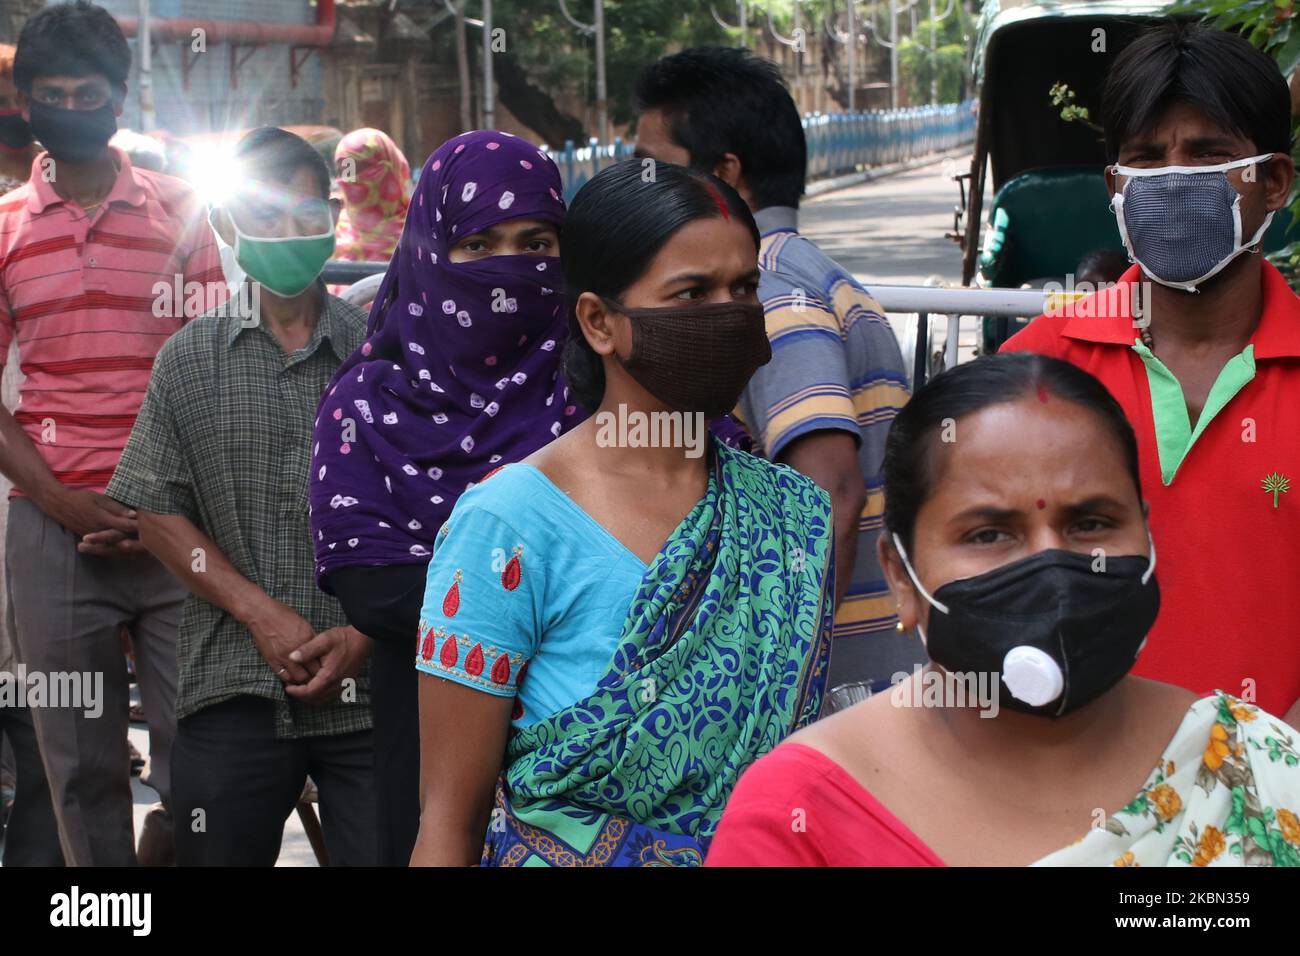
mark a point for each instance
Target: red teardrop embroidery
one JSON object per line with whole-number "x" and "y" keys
{"x": 518, "y": 710}
{"x": 501, "y": 669}
{"x": 474, "y": 663}
{"x": 451, "y": 603}
{"x": 523, "y": 669}
{"x": 426, "y": 650}
{"x": 450, "y": 652}
{"x": 513, "y": 571}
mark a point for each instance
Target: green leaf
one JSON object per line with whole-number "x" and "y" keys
{"x": 1236, "y": 822}
{"x": 1137, "y": 807}
{"x": 1288, "y": 54}
{"x": 1258, "y": 833}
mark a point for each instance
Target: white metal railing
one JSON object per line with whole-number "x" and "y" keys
{"x": 954, "y": 303}
{"x": 919, "y": 300}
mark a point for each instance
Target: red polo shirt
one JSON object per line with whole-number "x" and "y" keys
{"x": 91, "y": 296}
{"x": 1226, "y": 517}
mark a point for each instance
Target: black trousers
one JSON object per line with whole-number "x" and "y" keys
{"x": 32, "y": 836}
{"x": 384, "y": 604}
{"x": 234, "y": 784}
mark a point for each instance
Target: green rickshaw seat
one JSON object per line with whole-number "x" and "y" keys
{"x": 1043, "y": 222}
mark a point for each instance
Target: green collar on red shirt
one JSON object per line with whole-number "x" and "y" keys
{"x": 1175, "y": 433}
{"x": 1107, "y": 319}
{"x": 1277, "y": 335}
{"x": 127, "y": 187}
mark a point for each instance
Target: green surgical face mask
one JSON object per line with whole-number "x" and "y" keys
{"x": 287, "y": 266}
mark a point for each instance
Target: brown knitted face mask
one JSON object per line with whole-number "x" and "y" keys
{"x": 697, "y": 358}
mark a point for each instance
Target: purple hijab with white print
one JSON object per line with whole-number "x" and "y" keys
{"x": 460, "y": 372}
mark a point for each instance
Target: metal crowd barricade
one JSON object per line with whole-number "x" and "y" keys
{"x": 577, "y": 165}
{"x": 844, "y": 142}
{"x": 925, "y": 301}
{"x": 837, "y": 142}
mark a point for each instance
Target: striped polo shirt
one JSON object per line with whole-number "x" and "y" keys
{"x": 91, "y": 296}
{"x": 836, "y": 364}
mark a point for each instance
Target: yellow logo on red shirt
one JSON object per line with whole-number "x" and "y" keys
{"x": 1276, "y": 483}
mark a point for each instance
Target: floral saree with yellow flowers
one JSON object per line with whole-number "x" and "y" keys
{"x": 1225, "y": 793}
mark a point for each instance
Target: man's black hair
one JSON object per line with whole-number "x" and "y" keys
{"x": 1110, "y": 264}
{"x": 272, "y": 154}
{"x": 72, "y": 39}
{"x": 1220, "y": 73}
{"x": 721, "y": 100}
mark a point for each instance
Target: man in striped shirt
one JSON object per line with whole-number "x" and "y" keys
{"x": 824, "y": 404}
{"x": 96, "y": 261}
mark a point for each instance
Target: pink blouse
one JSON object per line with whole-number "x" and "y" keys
{"x": 797, "y": 807}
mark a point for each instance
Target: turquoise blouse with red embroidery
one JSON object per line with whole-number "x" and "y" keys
{"x": 526, "y": 595}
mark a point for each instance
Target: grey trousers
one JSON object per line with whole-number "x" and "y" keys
{"x": 67, "y": 610}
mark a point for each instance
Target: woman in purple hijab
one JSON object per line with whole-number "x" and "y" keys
{"x": 460, "y": 374}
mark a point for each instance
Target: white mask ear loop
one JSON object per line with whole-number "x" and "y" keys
{"x": 916, "y": 582}
{"x": 1151, "y": 568}
{"x": 1129, "y": 172}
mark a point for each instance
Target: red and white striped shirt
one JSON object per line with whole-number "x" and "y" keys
{"x": 82, "y": 292}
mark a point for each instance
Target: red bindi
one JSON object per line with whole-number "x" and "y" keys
{"x": 1042, "y": 393}
{"x": 1041, "y": 504}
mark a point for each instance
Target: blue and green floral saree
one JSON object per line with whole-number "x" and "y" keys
{"x": 723, "y": 654}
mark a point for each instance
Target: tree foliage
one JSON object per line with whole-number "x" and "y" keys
{"x": 917, "y": 66}
{"x": 558, "y": 57}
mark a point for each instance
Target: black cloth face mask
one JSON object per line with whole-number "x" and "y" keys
{"x": 15, "y": 133}
{"x": 1057, "y": 632}
{"x": 74, "y": 136}
{"x": 697, "y": 358}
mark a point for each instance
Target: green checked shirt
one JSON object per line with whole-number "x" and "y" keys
{"x": 224, "y": 439}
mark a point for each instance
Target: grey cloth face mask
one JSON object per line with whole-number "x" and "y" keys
{"x": 1182, "y": 224}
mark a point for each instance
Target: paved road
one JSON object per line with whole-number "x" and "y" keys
{"x": 891, "y": 231}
